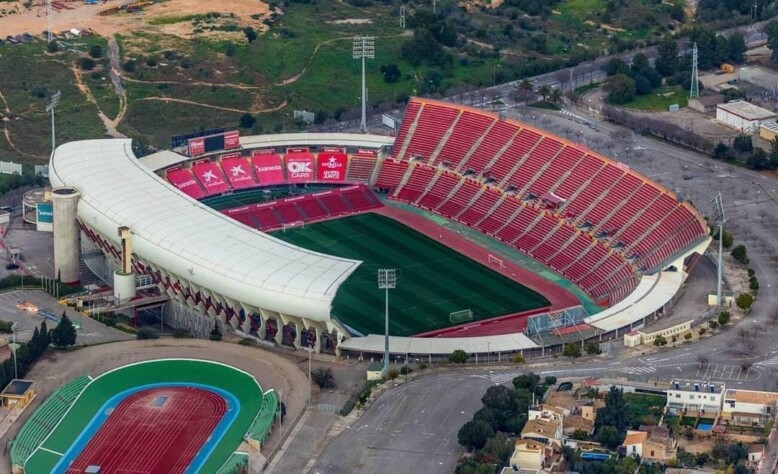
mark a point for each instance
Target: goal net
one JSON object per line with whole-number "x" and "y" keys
{"x": 492, "y": 260}
{"x": 293, "y": 225}
{"x": 462, "y": 316}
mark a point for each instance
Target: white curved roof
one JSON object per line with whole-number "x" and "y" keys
{"x": 188, "y": 239}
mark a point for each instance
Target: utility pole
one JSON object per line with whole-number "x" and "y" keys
{"x": 364, "y": 48}
{"x": 387, "y": 280}
{"x": 694, "y": 90}
{"x": 50, "y": 107}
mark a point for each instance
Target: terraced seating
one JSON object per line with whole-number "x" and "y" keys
{"x": 360, "y": 168}
{"x": 44, "y": 419}
{"x": 260, "y": 428}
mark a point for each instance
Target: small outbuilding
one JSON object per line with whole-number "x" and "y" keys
{"x": 706, "y": 104}
{"x": 17, "y": 394}
{"x": 743, "y": 116}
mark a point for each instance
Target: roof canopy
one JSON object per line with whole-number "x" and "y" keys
{"x": 190, "y": 240}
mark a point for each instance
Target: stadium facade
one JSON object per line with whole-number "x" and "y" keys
{"x": 549, "y": 198}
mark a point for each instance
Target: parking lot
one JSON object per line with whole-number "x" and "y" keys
{"x": 29, "y": 308}
{"x": 727, "y": 372}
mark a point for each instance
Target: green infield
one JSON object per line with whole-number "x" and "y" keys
{"x": 432, "y": 279}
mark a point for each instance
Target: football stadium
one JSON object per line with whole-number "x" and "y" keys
{"x": 169, "y": 415}
{"x": 502, "y": 237}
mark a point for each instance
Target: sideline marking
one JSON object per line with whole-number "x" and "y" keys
{"x": 52, "y": 452}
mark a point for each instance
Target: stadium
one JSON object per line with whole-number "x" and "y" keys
{"x": 168, "y": 415}
{"x": 504, "y": 237}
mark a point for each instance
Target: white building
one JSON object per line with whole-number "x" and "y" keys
{"x": 748, "y": 407}
{"x": 633, "y": 442}
{"x": 695, "y": 396}
{"x": 743, "y": 116}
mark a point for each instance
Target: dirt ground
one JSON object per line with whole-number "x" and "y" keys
{"x": 81, "y": 16}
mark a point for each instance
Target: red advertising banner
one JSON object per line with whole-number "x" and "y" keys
{"x": 231, "y": 140}
{"x": 332, "y": 167}
{"x": 196, "y": 146}
{"x": 364, "y": 152}
{"x": 302, "y": 149}
{"x": 332, "y": 149}
{"x": 238, "y": 171}
{"x": 268, "y": 169}
{"x": 210, "y": 176}
{"x": 299, "y": 167}
{"x": 264, "y": 151}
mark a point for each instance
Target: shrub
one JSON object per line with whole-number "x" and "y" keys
{"x": 246, "y": 341}
{"x": 593, "y": 348}
{"x": 130, "y": 66}
{"x": 421, "y": 365}
{"x": 5, "y": 327}
{"x": 702, "y": 331}
{"x": 660, "y": 341}
{"x": 549, "y": 380}
{"x": 405, "y": 370}
{"x": 571, "y": 350}
{"x": 518, "y": 359}
{"x": 713, "y": 324}
{"x": 216, "y": 332}
{"x": 688, "y": 336}
{"x": 247, "y": 120}
{"x": 753, "y": 283}
{"x": 723, "y": 318}
{"x": 180, "y": 333}
{"x": 96, "y": 51}
{"x": 360, "y": 397}
{"x": 392, "y": 374}
{"x": 86, "y": 64}
{"x": 324, "y": 378}
{"x": 146, "y": 332}
{"x": 744, "y": 301}
{"x": 52, "y": 47}
{"x": 230, "y": 50}
{"x": 751, "y": 273}
{"x": 151, "y": 62}
{"x": 458, "y": 357}
{"x": 740, "y": 254}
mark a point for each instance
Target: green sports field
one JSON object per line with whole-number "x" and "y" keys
{"x": 432, "y": 279}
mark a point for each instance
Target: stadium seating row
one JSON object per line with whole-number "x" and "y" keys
{"x": 44, "y": 419}
{"x": 306, "y": 208}
{"x": 233, "y": 172}
{"x": 260, "y": 428}
{"x": 591, "y": 218}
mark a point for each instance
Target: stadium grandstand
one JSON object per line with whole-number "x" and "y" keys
{"x": 210, "y": 228}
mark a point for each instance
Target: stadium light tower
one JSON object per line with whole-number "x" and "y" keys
{"x": 387, "y": 280}
{"x": 364, "y": 48}
{"x": 53, "y": 103}
{"x": 718, "y": 215}
{"x": 49, "y": 19}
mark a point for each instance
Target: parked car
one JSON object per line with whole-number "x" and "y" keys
{"x": 11, "y": 266}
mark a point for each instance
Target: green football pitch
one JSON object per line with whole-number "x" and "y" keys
{"x": 432, "y": 279}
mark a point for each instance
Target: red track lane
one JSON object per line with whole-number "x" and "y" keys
{"x": 139, "y": 437}
{"x": 557, "y": 296}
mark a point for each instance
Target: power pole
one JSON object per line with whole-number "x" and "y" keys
{"x": 364, "y": 48}
{"x": 694, "y": 91}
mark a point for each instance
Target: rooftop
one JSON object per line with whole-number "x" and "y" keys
{"x": 756, "y": 448}
{"x": 696, "y": 386}
{"x": 635, "y": 437}
{"x": 746, "y": 110}
{"x": 749, "y": 396}
{"x": 17, "y": 387}
{"x": 710, "y": 99}
{"x": 772, "y": 126}
{"x": 539, "y": 426}
{"x": 577, "y": 422}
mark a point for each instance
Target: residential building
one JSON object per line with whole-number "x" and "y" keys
{"x": 704, "y": 398}
{"x": 544, "y": 425}
{"x": 660, "y": 445}
{"x": 748, "y": 407}
{"x": 743, "y": 116}
{"x": 633, "y": 443}
{"x": 527, "y": 454}
{"x": 755, "y": 455}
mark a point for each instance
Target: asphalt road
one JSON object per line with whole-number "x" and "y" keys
{"x": 411, "y": 428}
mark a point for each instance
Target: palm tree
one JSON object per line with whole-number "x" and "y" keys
{"x": 545, "y": 91}
{"x": 556, "y": 96}
{"x": 522, "y": 91}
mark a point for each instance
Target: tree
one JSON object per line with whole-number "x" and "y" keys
{"x": 423, "y": 48}
{"x": 497, "y": 449}
{"x": 216, "y": 332}
{"x": 713, "y": 324}
{"x": 609, "y": 437}
{"x": 324, "y": 378}
{"x": 771, "y": 30}
{"x": 674, "y": 338}
{"x": 723, "y": 318}
{"x": 86, "y": 64}
{"x": 64, "y": 335}
{"x": 688, "y": 336}
{"x": 642, "y": 85}
{"x": 744, "y": 301}
{"x": 96, "y": 51}
{"x": 614, "y": 413}
{"x": 639, "y": 63}
{"x": 230, "y": 49}
{"x": 571, "y": 350}
{"x": 130, "y": 66}
{"x": 247, "y": 120}
{"x": 526, "y": 89}
{"x": 52, "y": 47}
{"x": 474, "y": 434}
{"x": 500, "y": 398}
{"x": 615, "y": 67}
{"x": 740, "y": 254}
{"x": 720, "y": 151}
{"x": 545, "y": 91}
{"x": 526, "y": 382}
{"x": 728, "y": 239}
{"x": 251, "y": 34}
{"x": 667, "y": 56}
{"x": 592, "y": 348}
{"x": 736, "y": 48}
{"x": 391, "y": 73}
{"x": 556, "y": 96}
{"x": 458, "y": 357}
{"x": 620, "y": 88}
{"x": 743, "y": 143}
{"x": 660, "y": 341}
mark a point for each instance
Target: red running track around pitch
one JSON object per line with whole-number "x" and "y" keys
{"x": 140, "y": 436}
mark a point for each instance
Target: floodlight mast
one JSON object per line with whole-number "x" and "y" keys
{"x": 718, "y": 214}
{"x": 48, "y": 14}
{"x": 387, "y": 280}
{"x": 53, "y": 103}
{"x": 364, "y": 48}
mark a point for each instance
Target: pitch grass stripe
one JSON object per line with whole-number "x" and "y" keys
{"x": 442, "y": 280}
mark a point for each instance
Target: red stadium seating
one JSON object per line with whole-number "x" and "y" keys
{"x": 210, "y": 176}
{"x": 360, "y": 169}
{"x": 239, "y": 172}
{"x": 649, "y": 223}
{"x": 184, "y": 180}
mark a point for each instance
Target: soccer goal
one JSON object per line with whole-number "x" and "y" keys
{"x": 497, "y": 261}
{"x": 293, "y": 225}
{"x": 462, "y": 316}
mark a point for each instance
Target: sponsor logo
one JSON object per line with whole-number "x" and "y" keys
{"x": 185, "y": 184}
{"x": 209, "y": 176}
{"x": 332, "y": 163}
{"x": 331, "y": 175}
{"x": 268, "y": 168}
{"x": 299, "y": 167}
{"x": 237, "y": 170}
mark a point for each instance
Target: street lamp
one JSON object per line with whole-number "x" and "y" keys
{"x": 494, "y": 74}
{"x": 13, "y": 329}
{"x": 387, "y": 280}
